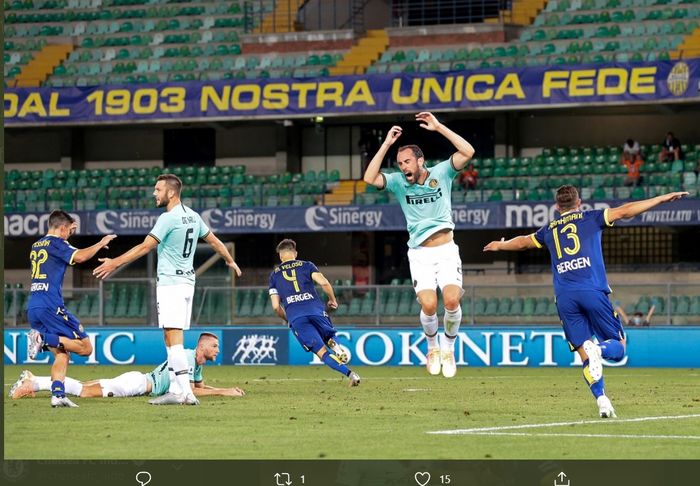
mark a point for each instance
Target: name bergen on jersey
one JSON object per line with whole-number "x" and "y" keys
{"x": 575, "y": 264}
{"x": 299, "y": 298}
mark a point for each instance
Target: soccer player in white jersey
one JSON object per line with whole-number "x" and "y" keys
{"x": 175, "y": 234}
{"x": 135, "y": 383}
{"x": 425, "y": 198}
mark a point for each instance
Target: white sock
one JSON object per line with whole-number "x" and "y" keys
{"x": 178, "y": 359}
{"x": 174, "y": 387}
{"x": 42, "y": 383}
{"x": 430, "y": 328}
{"x": 73, "y": 386}
{"x": 451, "y": 322}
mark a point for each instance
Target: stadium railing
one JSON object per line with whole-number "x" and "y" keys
{"x": 131, "y": 302}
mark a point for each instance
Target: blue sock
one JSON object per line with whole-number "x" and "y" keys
{"x": 51, "y": 340}
{"x": 612, "y": 350}
{"x": 58, "y": 389}
{"x": 331, "y": 360}
{"x": 597, "y": 387}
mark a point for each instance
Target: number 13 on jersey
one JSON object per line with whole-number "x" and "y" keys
{"x": 570, "y": 231}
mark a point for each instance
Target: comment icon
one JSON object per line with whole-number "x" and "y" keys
{"x": 143, "y": 477}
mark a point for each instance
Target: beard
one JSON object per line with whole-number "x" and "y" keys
{"x": 163, "y": 202}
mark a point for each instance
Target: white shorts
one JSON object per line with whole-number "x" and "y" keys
{"x": 435, "y": 266}
{"x": 175, "y": 305}
{"x": 131, "y": 384}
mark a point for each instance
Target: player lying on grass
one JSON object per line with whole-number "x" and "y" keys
{"x": 295, "y": 300}
{"x": 134, "y": 383}
{"x": 580, "y": 283}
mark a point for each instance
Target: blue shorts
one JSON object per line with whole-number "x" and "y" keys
{"x": 312, "y": 332}
{"x": 586, "y": 313}
{"x": 56, "y": 321}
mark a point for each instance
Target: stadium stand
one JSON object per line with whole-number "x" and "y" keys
{"x": 121, "y": 42}
{"x": 596, "y": 170}
{"x": 567, "y": 32}
{"x": 90, "y": 42}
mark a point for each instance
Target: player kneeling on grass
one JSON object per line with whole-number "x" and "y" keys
{"x": 295, "y": 300}
{"x": 580, "y": 283}
{"x": 134, "y": 383}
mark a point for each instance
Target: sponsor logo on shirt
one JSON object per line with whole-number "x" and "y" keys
{"x": 429, "y": 197}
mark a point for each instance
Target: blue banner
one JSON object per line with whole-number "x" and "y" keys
{"x": 379, "y": 93}
{"x": 311, "y": 219}
{"x": 483, "y": 346}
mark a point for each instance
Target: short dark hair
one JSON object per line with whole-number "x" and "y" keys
{"x": 286, "y": 245}
{"x": 60, "y": 218}
{"x": 172, "y": 181}
{"x": 415, "y": 148}
{"x": 207, "y": 335}
{"x": 566, "y": 197}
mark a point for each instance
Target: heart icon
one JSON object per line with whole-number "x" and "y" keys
{"x": 422, "y": 478}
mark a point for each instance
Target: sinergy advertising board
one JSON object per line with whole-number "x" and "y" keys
{"x": 477, "y": 346}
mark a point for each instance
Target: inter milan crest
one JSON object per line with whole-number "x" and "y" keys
{"x": 432, "y": 183}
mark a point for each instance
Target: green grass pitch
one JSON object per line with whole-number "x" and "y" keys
{"x": 309, "y": 413}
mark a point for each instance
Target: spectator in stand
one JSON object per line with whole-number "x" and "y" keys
{"x": 632, "y": 159}
{"x": 670, "y": 149}
{"x": 469, "y": 177}
{"x": 638, "y": 318}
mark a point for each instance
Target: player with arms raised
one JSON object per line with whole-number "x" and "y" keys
{"x": 295, "y": 300}
{"x": 580, "y": 283}
{"x": 175, "y": 234}
{"x": 52, "y": 325}
{"x": 425, "y": 198}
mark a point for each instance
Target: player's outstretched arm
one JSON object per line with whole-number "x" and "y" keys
{"x": 109, "y": 265}
{"x": 372, "y": 175}
{"x": 221, "y": 249}
{"x": 201, "y": 390}
{"x": 321, "y": 280}
{"x": 279, "y": 310}
{"x": 632, "y": 209}
{"x": 518, "y": 243}
{"x": 465, "y": 151}
{"x": 85, "y": 254}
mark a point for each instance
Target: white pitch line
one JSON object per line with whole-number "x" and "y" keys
{"x": 611, "y": 436}
{"x": 559, "y": 424}
{"x": 414, "y": 378}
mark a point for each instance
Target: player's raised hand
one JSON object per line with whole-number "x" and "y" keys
{"x": 106, "y": 269}
{"x": 673, "y": 196}
{"x": 393, "y": 135}
{"x": 235, "y": 267}
{"x": 105, "y": 240}
{"x": 428, "y": 121}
